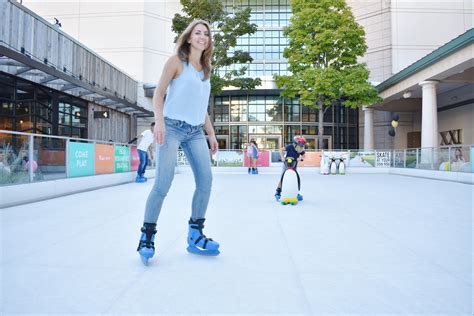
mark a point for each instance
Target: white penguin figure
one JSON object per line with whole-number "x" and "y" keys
{"x": 324, "y": 165}
{"x": 290, "y": 183}
{"x": 333, "y": 165}
{"x": 342, "y": 166}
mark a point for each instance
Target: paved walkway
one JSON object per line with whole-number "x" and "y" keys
{"x": 358, "y": 244}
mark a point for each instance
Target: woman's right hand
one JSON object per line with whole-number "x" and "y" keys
{"x": 159, "y": 131}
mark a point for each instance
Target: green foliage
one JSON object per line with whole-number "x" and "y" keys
{"x": 226, "y": 29}
{"x": 325, "y": 42}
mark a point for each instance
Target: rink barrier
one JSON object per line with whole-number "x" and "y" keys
{"x": 30, "y": 158}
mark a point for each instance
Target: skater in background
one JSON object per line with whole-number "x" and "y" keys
{"x": 144, "y": 147}
{"x": 179, "y": 122}
{"x": 252, "y": 155}
{"x": 294, "y": 150}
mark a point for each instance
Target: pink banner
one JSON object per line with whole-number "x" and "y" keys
{"x": 134, "y": 159}
{"x": 263, "y": 159}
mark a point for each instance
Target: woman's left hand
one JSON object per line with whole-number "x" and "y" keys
{"x": 213, "y": 144}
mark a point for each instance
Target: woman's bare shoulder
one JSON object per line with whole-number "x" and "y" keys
{"x": 174, "y": 66}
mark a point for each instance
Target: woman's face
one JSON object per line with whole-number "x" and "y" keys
{"x": 299, "y": 148}
{"x": 200, "y": 37}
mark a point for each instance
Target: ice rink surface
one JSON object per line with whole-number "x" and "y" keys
{"x": 359, "y": 244}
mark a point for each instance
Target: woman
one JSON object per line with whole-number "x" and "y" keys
{"x": 179, "y": 122}
{"x": 253, "y": 156}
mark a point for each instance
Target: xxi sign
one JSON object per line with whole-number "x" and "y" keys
{"x": 452, "y": 137}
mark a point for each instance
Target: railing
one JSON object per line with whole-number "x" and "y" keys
{"x": 28, "y": 157}
{"x": 455, "y": 158}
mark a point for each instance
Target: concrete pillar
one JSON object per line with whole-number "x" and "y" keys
{"x": 429, "y": 115}
{"x": 429, "y": 124}
{"x": 368, "y": 128}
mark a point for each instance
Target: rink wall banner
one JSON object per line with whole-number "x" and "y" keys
{"x": 122, "y": 158}
{"x": 80, "y": 159}
{"x": 230, "y": 158}
{"x": 398, "y": 159}
{"x": 49, "y": 157}
{"x": 383, "y": 158}
{"x": 104, "y": 158}
{"x": 311, "y": 159}
{"x": 263, "y": 159}
{"x": 134, "y": 159}
{"x": 362, "y": 159}
{"x": 472, "y": 159}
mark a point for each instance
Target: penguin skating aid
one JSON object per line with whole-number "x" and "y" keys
{"x": 342, "y": 166}
{"x": 290, "y": 184}
{"x": 333, "y": 165}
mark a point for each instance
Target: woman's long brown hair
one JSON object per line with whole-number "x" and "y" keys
{"x": 183, "y": 48}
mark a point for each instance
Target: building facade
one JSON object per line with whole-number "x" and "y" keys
{"x": 398, "y": 34}
{"x": 137, "y": 37}
{"x": 262, "y": 114}
{"x": 52, "y": 84}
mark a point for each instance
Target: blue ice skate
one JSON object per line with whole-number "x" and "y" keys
{"x": 299, "y": 197}
{"x": 140, "y": 179}
{"x": 198, "y": 243}
{"x": 255, "y": 171}
{"x": 146, "y": 246}
{"x": 278, "y": 195}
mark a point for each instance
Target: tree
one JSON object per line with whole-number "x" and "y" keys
{"x": 227, "y": 27}
{"x": 324, "y": 44}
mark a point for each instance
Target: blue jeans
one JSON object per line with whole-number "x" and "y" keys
{"x": 143, "y": 155}
{"x": 193, "y": 142}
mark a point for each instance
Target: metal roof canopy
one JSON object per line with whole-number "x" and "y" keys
{"x": 23, "y": 66}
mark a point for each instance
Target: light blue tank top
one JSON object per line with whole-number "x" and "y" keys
{"x": 187, "y": 97}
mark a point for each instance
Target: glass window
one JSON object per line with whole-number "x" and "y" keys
{"x": 6, "y": 92}
{"x": 238, "y": 108}
{"x": 24, "y": 124}
{"x": 309, "y": 114}
{"x": 292, "y": 110}
{"x": 221, "y": 109}
{"x": 274, "y": 129}
{"x": 43, "y": 126}
{"x": 6, "y": 122}
{"x": 328, "y": 114}
{"x": 290, "y": 132}
{"x": 309, "y": 130}
{"x": 222, "y": 130}
{"x": 274, "y": 108}
{"x": 43, "y": 111}
{"x": 24, "y": 108}
{"x": 25, "y": 91}
{"x": 6, "y": 108}
{"x": 238, "y": 137}
{"x": 327, "y": 130}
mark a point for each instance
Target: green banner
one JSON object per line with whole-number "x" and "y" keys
{"x": 80, "y": 159}
{"x": 122, "y": 158}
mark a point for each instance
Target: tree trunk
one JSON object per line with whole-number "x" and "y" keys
{"x": 211, "y": 108}
{"x": 320, "y": 125}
